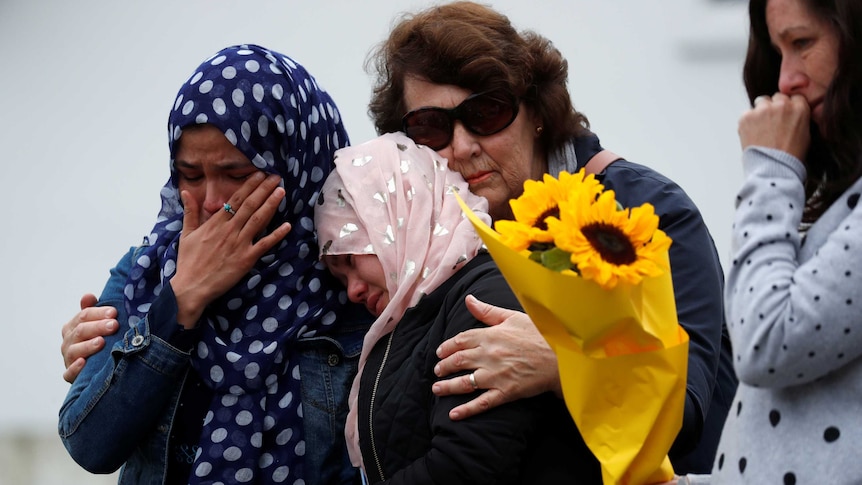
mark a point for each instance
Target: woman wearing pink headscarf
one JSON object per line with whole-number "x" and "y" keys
{"x": 389, "y": 226}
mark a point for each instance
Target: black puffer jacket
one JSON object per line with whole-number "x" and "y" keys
{"x": 405, "y": 432}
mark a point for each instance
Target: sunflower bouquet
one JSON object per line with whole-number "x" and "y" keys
{"x": 595, "y": 279}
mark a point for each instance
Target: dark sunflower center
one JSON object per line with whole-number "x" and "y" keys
{"x": 611, "y": 243}
{"x": 540, "y": 221}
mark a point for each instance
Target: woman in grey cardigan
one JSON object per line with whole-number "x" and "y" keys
{"x": 794, "y": 291}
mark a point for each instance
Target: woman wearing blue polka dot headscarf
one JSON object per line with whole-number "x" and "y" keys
{"x": 227, "y": 281}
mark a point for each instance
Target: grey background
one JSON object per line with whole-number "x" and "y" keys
{"x": 85, "y": 88}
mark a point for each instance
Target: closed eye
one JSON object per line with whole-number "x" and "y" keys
{"x": 242, "y": 175}
{"x": 801, "y": 43}
{"x": 340, "y": 266}
{"x": 189, "y": 177}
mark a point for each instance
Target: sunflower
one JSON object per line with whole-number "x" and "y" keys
{"x": 539, "y": 201}
{"x": 607, "y": 244}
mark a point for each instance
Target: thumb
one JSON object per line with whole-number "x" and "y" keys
{"x": 88, "y": 300}
{"x": 191, "y": 213}
{"x": 486, "y": 313}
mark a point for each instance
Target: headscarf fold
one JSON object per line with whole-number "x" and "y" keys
{"x": 275, "y": 113}
{"x": 393, "y": 198}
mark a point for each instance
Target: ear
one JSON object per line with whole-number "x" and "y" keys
{"x": 534, "y": 120}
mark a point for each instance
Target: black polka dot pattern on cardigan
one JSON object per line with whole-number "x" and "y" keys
{"x": 831, "y": 434}
{"x": 774, "y": 418}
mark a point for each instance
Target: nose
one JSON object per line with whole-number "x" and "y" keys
{"x": 791, "y": 79}
{"x": 215, "y": 198}
{"x": 464, "y": 145}
{"x": 356, "y": 289}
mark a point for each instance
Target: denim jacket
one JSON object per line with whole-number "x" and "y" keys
{"x": 120, "y": 409}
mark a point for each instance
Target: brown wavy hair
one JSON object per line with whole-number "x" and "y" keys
{"x": 474, "y": 47}
{"x": 834, "y": 159}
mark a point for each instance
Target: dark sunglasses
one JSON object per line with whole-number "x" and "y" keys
{"x": 483, "y": 114}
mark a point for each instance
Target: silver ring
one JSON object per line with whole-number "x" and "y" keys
{"x": 761, "y": 99}
{"x": 229, "y": 209}
{"x": 472, "y": 378}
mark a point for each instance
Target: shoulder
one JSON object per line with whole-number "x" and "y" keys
{"x": 632, "y": 180}
{"x": 634, "y": 184}
{"x": 480, "y": 276}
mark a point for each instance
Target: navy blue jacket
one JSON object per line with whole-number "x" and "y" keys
{"x": 698, "y": 284}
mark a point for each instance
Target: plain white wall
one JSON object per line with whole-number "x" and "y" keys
{"x": 86, "y": 86}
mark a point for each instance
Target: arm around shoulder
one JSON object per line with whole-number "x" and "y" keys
{"x": 123, "y": 388}
{"x": 486, "y": 448}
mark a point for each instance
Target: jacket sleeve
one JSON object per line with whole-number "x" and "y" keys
{"x": 791, "y": 317}
{"x": 123, "y": 390}
{"x": 483, "y": 449}
{"x": 698, "y": 283}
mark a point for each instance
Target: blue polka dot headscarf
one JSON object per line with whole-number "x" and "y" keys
{"x": 274, "y": 112}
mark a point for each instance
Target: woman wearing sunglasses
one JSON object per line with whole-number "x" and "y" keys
{"x": 460, "y": 79}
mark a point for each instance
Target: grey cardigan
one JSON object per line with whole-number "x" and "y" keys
{"x": 794, "y": 309}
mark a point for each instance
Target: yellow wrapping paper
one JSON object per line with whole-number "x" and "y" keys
{"x": 622, "y": 359}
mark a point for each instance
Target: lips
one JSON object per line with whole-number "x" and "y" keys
{"x": 371, "y": 304}
{"x": 477, "y": 178}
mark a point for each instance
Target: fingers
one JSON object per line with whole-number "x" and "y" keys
{"x": 511, "y": 358}
{"x": 73, "y": 370}
{"x": 761, "y": 99}
{"x": 462, "y": 385}
{"x": 263, "y": 210}
{"x": 778, "y": 121}
{"x": 87, "y": 301}
{"x": 780, "y": 101}
{"x": 79, "y": 352}
{"x": 253, "y": 182}
{"x": 254, "y": 215}
{"x": 456, "y": 385}
{"x": 77, "y": 347}
{"x": 89, "y": 323}
{"x": 252, "y": 196}
{"x": 254, "y": 205}
{"x": 83, "y": 334}
{"x": 191, "y": 213}
{"x": 485, "y": 313}
{"x": 270, "y": 240}
{"x": 483, "y": 402}
{"x": 467, "y": 339}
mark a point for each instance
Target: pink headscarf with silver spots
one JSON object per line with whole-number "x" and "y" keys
{"x": 395, "y": 199}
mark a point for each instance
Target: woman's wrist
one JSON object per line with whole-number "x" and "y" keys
{"x": 189, "y": 305}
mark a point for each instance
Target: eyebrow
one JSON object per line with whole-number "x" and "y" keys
{"x": 336, "y": 259}
{"x": 231, "y": 165}
{"x": 793, "y": 29}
